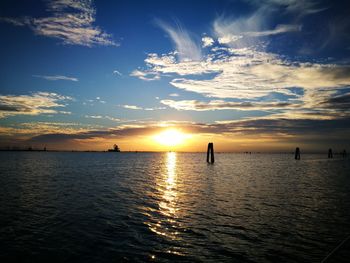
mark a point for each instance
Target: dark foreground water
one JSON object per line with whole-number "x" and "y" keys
{"x": 112, "y": 207}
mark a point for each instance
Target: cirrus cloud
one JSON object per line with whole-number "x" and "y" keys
{"x": 196, "y": 105}
{"x": 56, "y": 77}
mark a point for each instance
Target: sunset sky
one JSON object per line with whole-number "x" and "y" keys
{"x": 248, "y": 75}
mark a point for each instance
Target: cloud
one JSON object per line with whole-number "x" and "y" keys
{"x": 154, "y": 108}
{"x": 278, "y": 30}
{"x": 240, "y": 67}
{"x": 256, "y": 133}
{"x": 244, "y": 31}
{"x": 145, "y": 75}
{"x": 302, "y": 127}
{"x": 34, "y": 104}
{"x": 102, "y": 117}
{"x": 300, "y": 7}
{"x": 207, "y": 41}
{"x": 24, "y": 21}
{"x": 186, "y": 48}
{"x": 56, "y": 77}
{"x": 20, "y": 131}
{"x": 70, "y": 21}
{"x": 174, "y": 95}
{"x": 335, "y": 36}
{"x": 95, "y": 100}
{"x": 167, "y": 64}
{"x": 196, "y": 105}
{"x": 134, "y": 107}
{"x": 339, "y": 102}
{"x": 94, "y": 116}
{"x": 131, "y": 107}
{"x": 247, "y": 74}
{"x": 227, "y": 39}
{"x": 65, "y": 112}
{"x": 286, "y": 132}
{"x": 116, "y": 72}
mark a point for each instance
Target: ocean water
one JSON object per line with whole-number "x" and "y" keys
{"x": 115, "y": 207}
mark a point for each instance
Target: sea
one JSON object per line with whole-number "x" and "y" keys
{"x": 173, "y": 207}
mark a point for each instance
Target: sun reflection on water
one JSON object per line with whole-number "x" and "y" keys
{"x": 166, "y": 219}
{"x": 168, "y": 204}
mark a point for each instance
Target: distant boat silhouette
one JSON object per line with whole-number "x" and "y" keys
{"x": 115, "y": 148}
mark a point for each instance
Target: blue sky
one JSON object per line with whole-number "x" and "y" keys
{"x": 87, "y": 74}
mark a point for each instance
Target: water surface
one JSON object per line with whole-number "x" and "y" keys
{"x": 112, "y": 207}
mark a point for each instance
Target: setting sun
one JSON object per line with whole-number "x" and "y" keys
{"x": 170, "y": 137}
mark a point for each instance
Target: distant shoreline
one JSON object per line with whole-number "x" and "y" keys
{"x": 106, "y": 151}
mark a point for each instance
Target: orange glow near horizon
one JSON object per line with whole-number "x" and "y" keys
{"x": 177, "y": 139}
{"x": 171, "y": 137}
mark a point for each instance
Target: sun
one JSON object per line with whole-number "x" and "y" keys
{"x": 170, "y": 137}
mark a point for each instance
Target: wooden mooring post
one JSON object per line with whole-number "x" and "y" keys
{"x": 344, "y": 153}
{"x": 210, "y": 152}
{"x": 330, "y": 153}
{"x": 297, "y": 154}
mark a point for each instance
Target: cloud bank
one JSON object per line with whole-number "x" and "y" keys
{"x": 70, "y": 21}
{"x": 34, "y": 104}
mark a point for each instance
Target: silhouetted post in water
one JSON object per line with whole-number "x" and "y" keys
{"x": 297, "y": 153}
{"x": 210, "y": 152}
{"x": 344, "y": 153}
{"x": 330, "y": 153}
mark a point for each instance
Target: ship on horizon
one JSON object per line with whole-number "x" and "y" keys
{"x": 115, "y": 148}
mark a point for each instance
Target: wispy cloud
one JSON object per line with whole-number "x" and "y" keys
{"x": 186, "y": 47}
{"x": 98, "y": 99}
{"x": 196, "y": 105}
{"x": 145, "y": 75}
{"x": 244, "y": 31}
{"x": 116, "y": 72}
{"x": 70, "y": 21}
{"x": 34, "y": 104}
{"x": 56, "y": 77}
{"x": 134, "y": 107}
{"x": 23, "y": 21}
{"x": 300, "y": 7}
{"x": 103, "y": 117}
{"x": 154, "y": 108}
{"x": 279, "y": 29}
{"x": 131, "y": 107}
{"x": 65, "y": 112}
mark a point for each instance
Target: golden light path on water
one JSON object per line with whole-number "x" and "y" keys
{"x": 168, "y": 205}
{"x": 167, "y": 224}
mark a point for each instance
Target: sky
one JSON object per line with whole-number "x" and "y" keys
{"x": 248, "y": 75}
